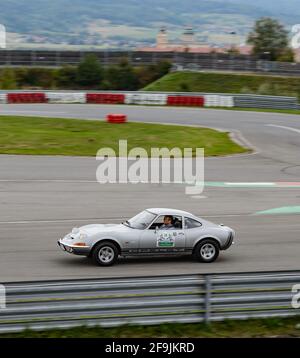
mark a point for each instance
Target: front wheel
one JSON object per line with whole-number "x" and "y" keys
{"x": 207, "y": 251}
{"x": 105, "y": 254}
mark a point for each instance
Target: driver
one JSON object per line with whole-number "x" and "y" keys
{"x": 168, "y": 223}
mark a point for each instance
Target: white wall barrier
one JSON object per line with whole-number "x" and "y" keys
{"x": 218, "y": 101}
{"x": 145, "y": 98}
{"x": 3, "y": 98}
{"x": 226, "y": 101}
{"x": 72, "y": 97}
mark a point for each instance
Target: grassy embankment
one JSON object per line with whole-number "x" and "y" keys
{"x": 56, "y": 136}
{"x": 227, "y": 83}
{"x": 230, "y": 83}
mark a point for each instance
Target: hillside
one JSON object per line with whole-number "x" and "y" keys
{"x": 227, "y": 83}
{"x": 95, "y": 21}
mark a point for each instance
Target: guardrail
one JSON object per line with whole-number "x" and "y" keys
{"x": 148, "y": 300}
{"x": 152, "y": 98}
{"x": 271, "y": 102}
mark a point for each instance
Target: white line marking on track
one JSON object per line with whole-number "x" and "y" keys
{"x": 22, "y": 222}
{"x": 32, "y": 112}
{"x": 47, "y": 181}
{"x": 250, "y": 184}
{"x": 235, "y": 135}
{"x": 284, "y": 127}
{"x": 49, "y": 221}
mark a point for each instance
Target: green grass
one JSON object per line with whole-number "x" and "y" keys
{"x": 73, "y": 137}
{"x": 226, "y": 83}
{"x": 282, "y": 327}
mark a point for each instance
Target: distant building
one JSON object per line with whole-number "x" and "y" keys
{"x": 188, "y": 37}
{"x": 162, "y": 38}
{"x": 187, "y": 43}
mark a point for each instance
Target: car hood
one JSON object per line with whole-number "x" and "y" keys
{"x": 93, "y": 229}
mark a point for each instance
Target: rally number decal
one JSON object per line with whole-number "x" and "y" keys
{"x": 166, "y": 239}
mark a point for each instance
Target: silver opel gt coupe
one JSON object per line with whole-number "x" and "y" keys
{"x": 151, "y": 232}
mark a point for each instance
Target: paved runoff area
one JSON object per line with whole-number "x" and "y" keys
{"x": 258, "y": 194}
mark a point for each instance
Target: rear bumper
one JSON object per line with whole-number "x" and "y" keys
{"x": 73, "y": 249}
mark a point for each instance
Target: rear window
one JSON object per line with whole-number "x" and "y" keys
{"x": 191, "y": 223}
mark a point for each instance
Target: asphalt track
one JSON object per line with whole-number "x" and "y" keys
{"x": 43, "y": 197}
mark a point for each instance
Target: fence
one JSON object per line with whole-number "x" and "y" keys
{"x": 239, "y": 64}
{"x": 151, "y": 98}
{"x": 148, "y": 300}
{"x": 186, "y": 60}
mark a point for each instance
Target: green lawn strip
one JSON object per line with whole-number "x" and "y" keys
{"x": 271, "y": 327}
{"x": 226, "y": 83}
{"x": 74, "y": 137}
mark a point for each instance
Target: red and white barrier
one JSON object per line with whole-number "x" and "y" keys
{"x": 63, "y": 97}
{"x": 218, "y": 101}
{"x": 160, "y": 99}
{"x": 105, "y": 98}
{"x": 3, "y": 98}
{"x": 146, "y": 98}
{"x": 183, "y": 100}
{"x": 25, "y": 97}
{"x": 116, "y": 118}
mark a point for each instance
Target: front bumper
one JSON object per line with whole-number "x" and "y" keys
{"x": 74, "y": 249}
{"x": 229, "y": 241}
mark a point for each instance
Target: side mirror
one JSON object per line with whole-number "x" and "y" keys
{"x": 156, "y": 229}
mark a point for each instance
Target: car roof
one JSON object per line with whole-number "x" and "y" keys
{"x": 166, "y": 211}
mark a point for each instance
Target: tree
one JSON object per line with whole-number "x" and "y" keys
{"x": 89, "y": 72}
{"x": 162, "y": 68}
{"x": 66, "y": 76}
{"x": 38, "y": 77}
{"x": 268, "y": 38}
{"x": 233, "y": 51}
{"x": 150, "y": 73}
{"x": 286, "y": 56}
{"x": 144, "y": 75}
{"x": 8, "y": 79}
{"x": 122, "y": 77}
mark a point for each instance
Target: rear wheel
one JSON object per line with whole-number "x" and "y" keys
{"x": 105, "y": 254}
{"x": 207, "y": 251}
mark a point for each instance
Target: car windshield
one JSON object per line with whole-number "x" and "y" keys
{"x": 141, "y": 221}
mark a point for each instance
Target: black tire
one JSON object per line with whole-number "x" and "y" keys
{"x": 212, "y": 248}
{"x": 111, "y": 251}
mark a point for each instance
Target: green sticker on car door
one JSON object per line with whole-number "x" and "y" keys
{"x": 166, "y": 238}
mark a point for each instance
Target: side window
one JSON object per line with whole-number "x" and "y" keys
{"x": 157, "y": 223}
{"x": 191, "y": 223}
{"x": 176, "y": 222}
